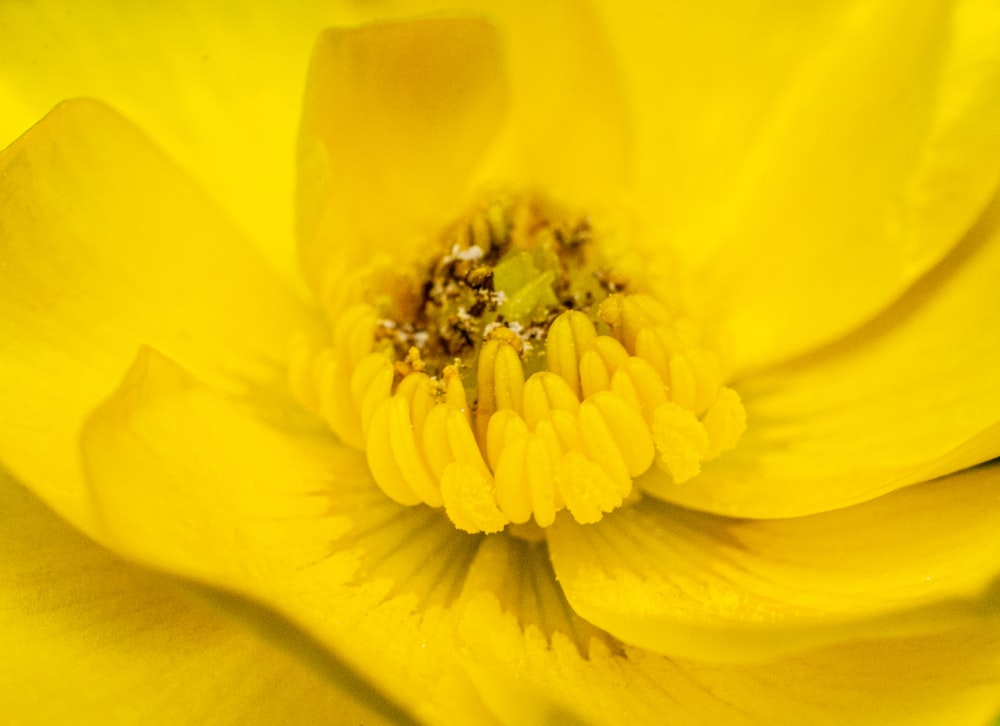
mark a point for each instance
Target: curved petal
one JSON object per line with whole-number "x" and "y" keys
{"x": 912, "y": 396}
{"x": 295, "y": 523}
{"x": 919, "y": 561}
{"x": 513, "y": 108}
{"x": 86, "y": 636}
{"x": 809, "y": 161}
{"x": 218, "y": 85}
{"x": 532, "y": 675}
{"x": 105, "y": 245}
{"x": 396, "y": 118}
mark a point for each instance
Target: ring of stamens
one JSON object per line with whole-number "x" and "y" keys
{"x": 516, "y": 377}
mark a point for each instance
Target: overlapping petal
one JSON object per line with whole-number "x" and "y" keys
{"x": 809, "y": 161}
{"x": 293, "y": 522}
{"x": 714, "y": 588}
{"x": 218, "y": 85}
{"x": 568, "y": 127}
{"x": 425, "y": 117}
{"x": 90, "y": 639}
{"x": 397, "y": 117}
{"x": 912, "y": 396}
{"x": 106, "y": 245}
{"x": 531, "y": 673}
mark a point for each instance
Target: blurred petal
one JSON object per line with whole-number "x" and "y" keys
{"x": 568, "y": 126}
{"x": 569, "y": 119}
{"x": 396, "y": 118}
{"x": 88, "y": 638}
{"x": 528, "y": 109}
{"x": 292, "y": 522}
{"x": 105, "y": 246}
{"x": 912, "y": 396}
{"x": 810, "y": 160}
{"x": 918, "y": 561}
{"x": 219, "y": 85}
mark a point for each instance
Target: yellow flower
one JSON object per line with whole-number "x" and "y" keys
{"x": 815, "y": 187}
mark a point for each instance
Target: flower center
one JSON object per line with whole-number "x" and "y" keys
{"x": 514, "y": 374}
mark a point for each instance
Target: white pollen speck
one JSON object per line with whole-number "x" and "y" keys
{"x": 475, "y": 252}
{"x": 490, "y": 328}
{"x": 523, "y": 333}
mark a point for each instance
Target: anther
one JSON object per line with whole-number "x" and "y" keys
{"x": 546, "y": 391}
{"x": 500, "y": 381}
{"x": 569, "y": 335}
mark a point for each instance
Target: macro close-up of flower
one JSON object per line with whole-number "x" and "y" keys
{"x": 523, "y": 363}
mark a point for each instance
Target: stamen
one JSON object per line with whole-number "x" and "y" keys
{"x": 599, "y": 362}
{"x": 681, "y": 441}
{"x": 389, "y": 465}
{"x": 370, "y": 385}
{"x": 569, "y": 335}
{"x": 725, "y": 422}
{"x": 470, "y": 500}
{"x": 636, "y": 382}
{"x": 524, "y": 481}
{"x": 589, "y": 492}
{"x": 578, "y": 384}
{"x": 616, "y": 437}
{"x": 500, "y": 381}
{"x": 544, "y": 392}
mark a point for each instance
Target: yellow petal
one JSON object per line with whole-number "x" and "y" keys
{"x": 912, "y": 396}
{"x": 297, "y": 524}
{"x": 569, "y": 123}
{"x": 396, "y": 118}
{"x": 919, "y": 561}
{"x": 810, "y": 161}
{"x": 559, "y": 669}
{"x": 103, "y": 246}
{"x": 218, "y": 86}
{"x": 91, "y": 639}
{"x": 510, "y": 575}
{"x": 942, "y": 679}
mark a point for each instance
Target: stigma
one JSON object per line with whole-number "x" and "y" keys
{"x": 514, "y": 374}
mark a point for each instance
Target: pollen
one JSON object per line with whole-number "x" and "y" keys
{"x": 515, "y": 374}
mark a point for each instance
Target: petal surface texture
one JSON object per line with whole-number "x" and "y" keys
{"x": 293, "y": 522}
{"x": 90, "y": 639}
{"x": 809, "y": 161}
{"x": 106, "y": 246}
{"x": 536, "y": 663}
{"x": 911, "y": 396}
{"x": 914, "y": 562}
